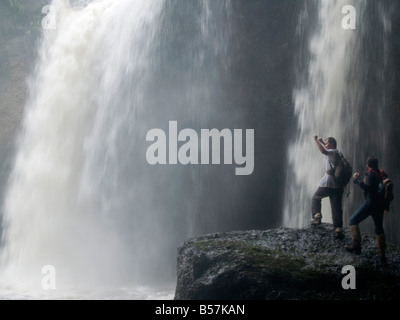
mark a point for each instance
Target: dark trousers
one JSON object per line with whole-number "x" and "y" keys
{"x": 375, "y": 210}
{"x": 335, "y": 197}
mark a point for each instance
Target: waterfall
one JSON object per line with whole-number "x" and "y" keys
{"x": 81, "y": 196}
{"x": 319, "y": 106}
{"x": 344, "y": 89}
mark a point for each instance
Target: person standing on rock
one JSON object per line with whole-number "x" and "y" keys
{"x": 373, "y": 206}
{"x": 328, "y": 188}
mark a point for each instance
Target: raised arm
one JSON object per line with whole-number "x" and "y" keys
{"x": 371, "y": 182}
{"x": 320, "y": 145}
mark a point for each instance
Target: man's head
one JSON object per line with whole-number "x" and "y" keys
{"x": 372, "y": 162}
{"x": 330, "y": 143}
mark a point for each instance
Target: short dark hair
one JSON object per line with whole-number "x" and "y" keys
{"x": 332, "y": 141}
{"x": 373, "y": 162}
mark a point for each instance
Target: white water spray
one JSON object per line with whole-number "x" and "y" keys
{"x": 82, "y": 197}
{"x": 326, "y": 103}
{"x": 55, "y": 211}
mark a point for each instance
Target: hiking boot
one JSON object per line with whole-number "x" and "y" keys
{"x": 317, "y": 219}
{"x": 381, "y": 241}
{"x": 339, "y": 235}
{"x": 355, "y": 247}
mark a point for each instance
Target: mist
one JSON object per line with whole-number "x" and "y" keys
{"x": 79, "y": 99}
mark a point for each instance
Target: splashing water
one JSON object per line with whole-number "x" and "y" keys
{"x": 321, "y": 106}
{"x": 81, "y": 197}
{"x": 344, "y": 90}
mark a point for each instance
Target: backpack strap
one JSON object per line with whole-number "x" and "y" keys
{"x": 380, "y": 174}
{"x": 337, "y": 156}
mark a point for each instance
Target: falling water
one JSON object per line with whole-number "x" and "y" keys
{"x": 319, "y": 106}
{"x": 340, "y": 72}
{"x": 81, "y": 196}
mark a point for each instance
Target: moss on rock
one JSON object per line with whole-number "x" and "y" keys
{"x": 282, "y": 264}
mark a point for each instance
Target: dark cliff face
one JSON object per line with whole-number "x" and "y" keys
{"x": 19, "y": 32}
{"x": 283, "y": 264}
{"x": 263, "y": 49}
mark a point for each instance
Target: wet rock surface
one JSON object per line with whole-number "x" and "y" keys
{"x": 284, "y": 264}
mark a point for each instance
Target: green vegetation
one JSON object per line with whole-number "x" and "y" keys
{"x": 258, "y": 259}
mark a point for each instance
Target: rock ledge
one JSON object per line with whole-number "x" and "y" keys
{"x": 283, "y": 264}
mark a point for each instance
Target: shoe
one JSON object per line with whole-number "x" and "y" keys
{"x": 317, "y": 219}
{"x": 355, "y": 247}
{"x": 339, "y": 235}
{"x": 382, "y": 247}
